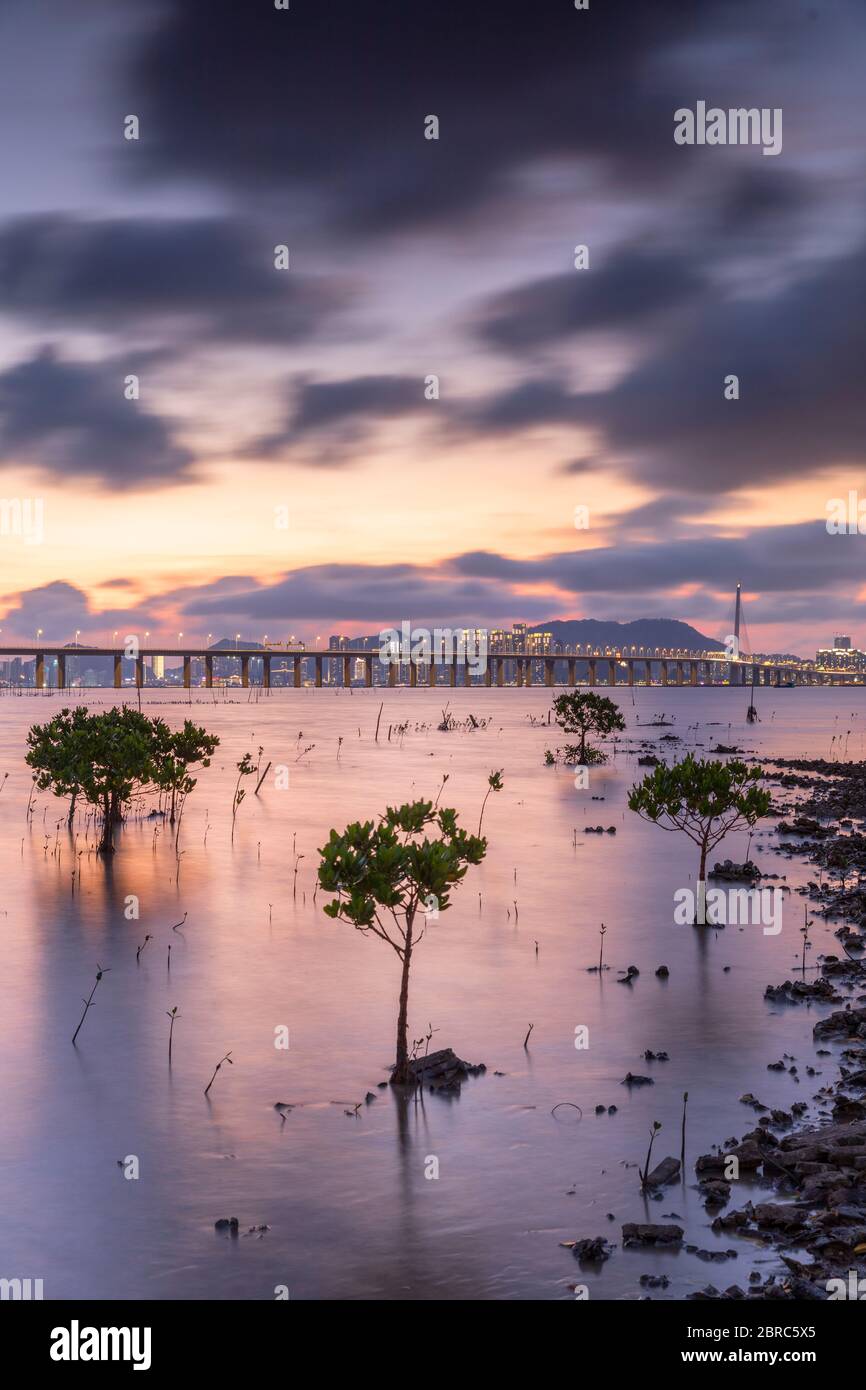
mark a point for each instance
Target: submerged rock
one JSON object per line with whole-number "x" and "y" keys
{"x": 593, "y": 1250}
{"x": 741, "y": 873}
{"x": 716, "y": 1192}
{"x": 443, "y": 1070}
{"x": 640, "y": 1233}
{"x": 794, "y": 992}
{"x": 666, "y": 1171}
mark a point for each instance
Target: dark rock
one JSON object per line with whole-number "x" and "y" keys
{"x": 748, "y": 1156}
{"x": 592, "y": 1250}
{"x": 740, "y": 873}
{"x": 637, "y": 1233}
{"x": 666, "y": 1171}
{"x": 716, "y": 1192}
{"x": 443, "y": 1070}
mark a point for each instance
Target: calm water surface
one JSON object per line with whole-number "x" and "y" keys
{"x": 349, "y": 1210}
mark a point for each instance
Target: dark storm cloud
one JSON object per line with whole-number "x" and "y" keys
{"x": 485, "y": 587}
{"x": 375, "y": 594}
{"x": 71, "y": 421}
{"x": 801, "y": 406}
{"x": 330, "y": 99}
{"x": 212, "y": 274}
{"x": 769, "y": 560}
{"x": 59, "y": 609}
{"x": 652, "y": 519}
{"x": 634, "y": 286}
{"x": 341, "y": 407}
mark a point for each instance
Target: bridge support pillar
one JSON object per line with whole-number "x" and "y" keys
{"x": 413, "y": 673}
{"x": 318, "y": 665}
{"x": 520, "y": 673}
{"x": 529, "y": 673}
{"x": 663, "y": 666}
{"x": 187, "y": 671}
{"x": 549, "y": 672}
{"x": 431, "y": 671}
{"x": 368, "y": 672}
{"x": 631, "y": 673}
{"x": 500, "y": 670}
{"x": 266, "y": 671}
{"x": 297, "y": 672}
{"x": 611, "y": 673}
{"x": 347, "y": 671}
{"x": 467, "y": 673}
{"x": 572, "y": 667}
{"x": 61, "y": 670}
{"x": 679, "y": 673}
{"x": 118, "y": 670}
{"x": 208, "y": 671}
{"x": 392, "y": 674}
{"x": 592, "y": 671}
{"x": 693, "y": 672}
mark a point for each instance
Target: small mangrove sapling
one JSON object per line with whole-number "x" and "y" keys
{"x": 494, "y": 784}
{"x": 582, "y": 713}
{"x": 226, "y": 1058}
{"x": 246, "y": 768}
{"x": 173, "y": 1015}
{"x": 644, "y": 1173}
{"x": 88, "y": 1002}
{"x": 384, "y": 873}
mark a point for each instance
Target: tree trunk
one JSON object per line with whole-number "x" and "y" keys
{"x": 71, "y": 809}
{"x": 701, "y": 896}
{"x": 106, "y": 844}
{"x": 401, "y": 1068}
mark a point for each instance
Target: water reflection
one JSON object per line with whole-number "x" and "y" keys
{"x": 349, "y": 1209}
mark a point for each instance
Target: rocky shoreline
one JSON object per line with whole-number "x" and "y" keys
{"x": 818, "y": 1225}
{"x": 815, "y": 1213}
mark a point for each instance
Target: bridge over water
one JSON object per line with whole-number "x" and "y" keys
{"x": 298, "y": 667}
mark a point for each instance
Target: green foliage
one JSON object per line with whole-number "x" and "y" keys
{"x": 583, "y": 713}
{"x": 383, "y": 872}
{"x": 107, "y": 758}
{"x": 58, "y": 753}
{"x": 174, "y": 752}
{"x": 705, "y": 800}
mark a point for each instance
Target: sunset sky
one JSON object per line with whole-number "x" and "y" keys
{"x": 268, "y": 394}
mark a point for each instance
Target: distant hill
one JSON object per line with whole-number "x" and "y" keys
{"x": 643, "y": 632}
